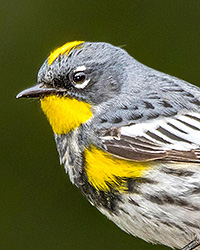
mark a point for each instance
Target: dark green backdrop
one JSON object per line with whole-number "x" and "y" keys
{"x": 39, "y": 207}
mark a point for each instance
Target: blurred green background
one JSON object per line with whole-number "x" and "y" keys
{"x": 39, "y": 207}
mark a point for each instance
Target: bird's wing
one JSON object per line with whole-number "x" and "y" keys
{"x": 174, "y": 138}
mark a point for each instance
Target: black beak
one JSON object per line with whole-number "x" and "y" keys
{"x": 39, "y": 90}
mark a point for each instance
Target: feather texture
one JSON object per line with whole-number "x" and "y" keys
{"x": 168, "y": 138}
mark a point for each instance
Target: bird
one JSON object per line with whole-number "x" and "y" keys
{"x": 128, "y": 137}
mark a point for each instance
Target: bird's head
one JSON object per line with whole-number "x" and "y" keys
{"x": 75, "y": 78}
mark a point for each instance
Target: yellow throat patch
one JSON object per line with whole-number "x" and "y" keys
{"x": 65, "y": 49}
{"x": 65, "y": 114}
{"x": 105, "y": 171}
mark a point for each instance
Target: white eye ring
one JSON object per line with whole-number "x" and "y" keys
{"x": 77, "y": 74}
{"x": 82, "y": 85}
{"x": 80, "y": 68}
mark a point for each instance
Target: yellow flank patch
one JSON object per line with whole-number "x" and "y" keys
{"x": 65, "y": 114}
{"x": 63, "y": 49}
{"x": 105, "y": 171}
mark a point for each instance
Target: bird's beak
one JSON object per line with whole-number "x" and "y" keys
{"x": 39, "y": 90}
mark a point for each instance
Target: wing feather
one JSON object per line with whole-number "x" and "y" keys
{"x": 171, "y": 139}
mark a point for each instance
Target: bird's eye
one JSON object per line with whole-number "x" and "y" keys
{"x": 79, "y": 77}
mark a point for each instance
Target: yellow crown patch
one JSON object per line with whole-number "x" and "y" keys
{"x": 63, "y": 49}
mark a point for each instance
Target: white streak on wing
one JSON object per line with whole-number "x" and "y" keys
{"x": 190, "y": 121}
{"x": 191, "y": 135}
{"x": 195, "y": 114}
{"x": 181, "y": 126}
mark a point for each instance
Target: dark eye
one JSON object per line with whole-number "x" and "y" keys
{"x": 79, "y": 77}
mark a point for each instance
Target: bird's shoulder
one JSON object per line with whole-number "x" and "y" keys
{"x": 157, "y": 119}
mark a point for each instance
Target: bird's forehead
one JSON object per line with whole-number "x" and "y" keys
{"x": 58, "y": 60}
{"x": 76, "y": 54}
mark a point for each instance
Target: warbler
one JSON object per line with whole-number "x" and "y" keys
{"x": 129, "y": 138}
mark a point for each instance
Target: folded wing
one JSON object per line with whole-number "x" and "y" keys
{"x": 174, "y": 138}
